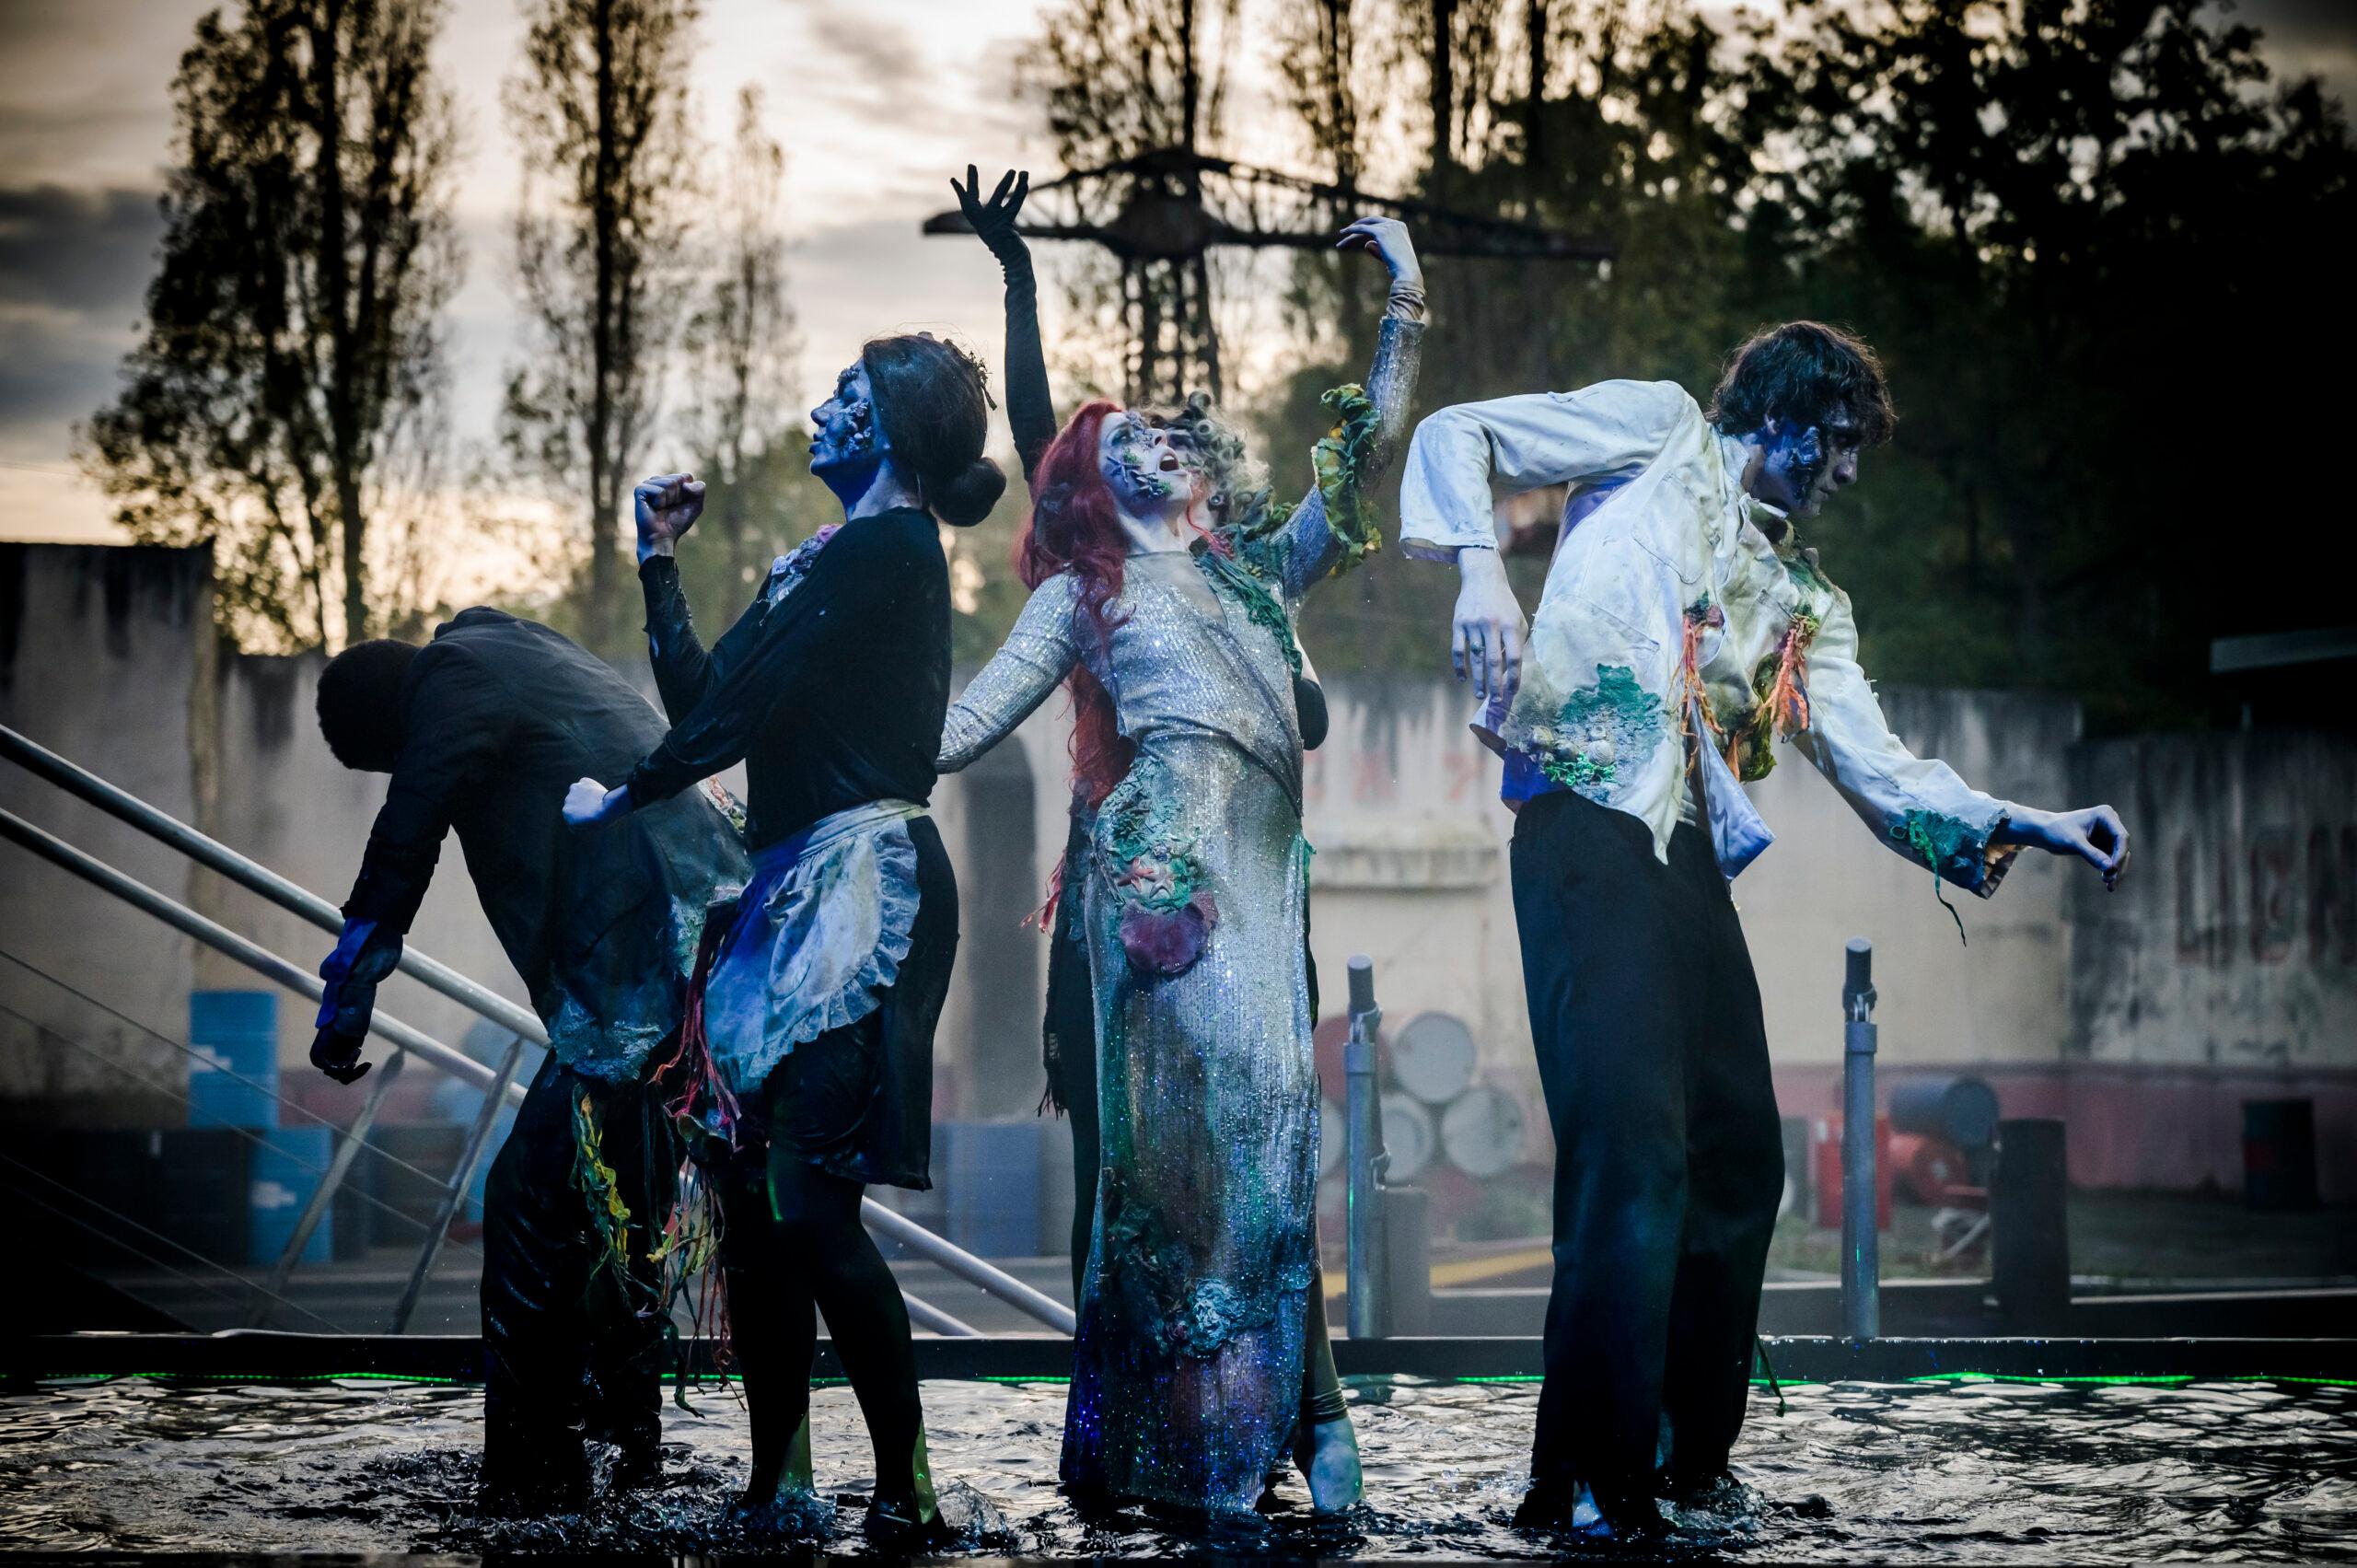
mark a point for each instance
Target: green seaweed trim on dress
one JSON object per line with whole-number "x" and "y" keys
{"x": 1153, "y": 863}
{"x": 1233, "y": 580}
{"x": 1340, "y": 458}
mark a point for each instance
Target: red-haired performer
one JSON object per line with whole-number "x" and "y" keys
{"x": 820, "y": 1003}
{"x": 1164, "y": 585}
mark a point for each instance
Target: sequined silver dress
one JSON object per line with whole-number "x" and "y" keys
{"x": 1188, "y": 1367}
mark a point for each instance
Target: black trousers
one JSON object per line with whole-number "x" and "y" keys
{"x": 566, "y": 1349}
{"x": 1668, "y": 1157}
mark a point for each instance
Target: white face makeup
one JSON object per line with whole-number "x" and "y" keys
{"x": 1149, "y": 476}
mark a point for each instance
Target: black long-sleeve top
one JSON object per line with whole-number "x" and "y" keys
{"x": 833, "y": 695}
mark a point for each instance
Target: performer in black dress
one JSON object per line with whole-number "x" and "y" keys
{"x": 817, "y": 1015}
{"x": 480, "y": 730}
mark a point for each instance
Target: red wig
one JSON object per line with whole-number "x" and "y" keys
{"x": 1075, "y": 526}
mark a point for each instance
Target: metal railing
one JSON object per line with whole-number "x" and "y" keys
{"x": 501, "y": 1084}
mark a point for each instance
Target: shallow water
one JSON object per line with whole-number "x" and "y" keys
{"x": 1926, "y": 1472}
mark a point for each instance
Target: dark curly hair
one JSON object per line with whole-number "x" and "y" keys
{"x": 359, "y": 704}
{"x": 1804, "y": 373}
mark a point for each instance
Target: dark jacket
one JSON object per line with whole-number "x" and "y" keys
{"x": 833, "y": 696}
{"x": 500, "y": 716}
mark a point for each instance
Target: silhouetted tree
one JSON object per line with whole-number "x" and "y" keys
{"x": 2089, "y": 237}
{"x": 283, "y": 396}
{"x": 741, "y": 340}
{"x": 599, "y": 109}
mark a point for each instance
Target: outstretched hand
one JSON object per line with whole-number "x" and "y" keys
{"x": 2095, "y": 834}
{"x": 667, "y": 506}
{"x": 1387, "y": 237}
{"x": 993, "y": 220}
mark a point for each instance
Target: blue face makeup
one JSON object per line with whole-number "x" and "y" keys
{"x": 1797, "y": 464}
{"x": 846, "y": 445}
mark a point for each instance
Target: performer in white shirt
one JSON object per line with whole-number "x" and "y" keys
{"x": 1683, "y": 628}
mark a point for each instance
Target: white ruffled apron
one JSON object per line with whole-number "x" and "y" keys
{"x": 819, "y": 934}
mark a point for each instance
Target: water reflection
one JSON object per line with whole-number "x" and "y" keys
{"x": 1916, "y": 1472}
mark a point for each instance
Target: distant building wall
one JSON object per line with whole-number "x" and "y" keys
{"x": 106, "y": 654}
{"x": 2225, "y": 967}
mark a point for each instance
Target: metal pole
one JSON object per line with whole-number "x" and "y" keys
{"x": 323, "y": 1195}
{"x": 212, "y": 853}
{"x": 1861, "y": 1237}
{"x": 461, "y": 1178}
{"x": 260, "y": 960}
{"x": 486, "y": 1004}
{"x": 1368, "y": 1276}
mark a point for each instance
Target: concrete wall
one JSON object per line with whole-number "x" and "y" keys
{"x": 105, "y": 653}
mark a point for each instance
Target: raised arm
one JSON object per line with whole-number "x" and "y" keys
{"x": 809, "y": 636}
{"x": 1029, "y": 410}
{"x": 1334, "y": 525}
{"x": 1038, "y": 652}
{"x": 667, "y": 508}
{"x": 1462, "y": 456}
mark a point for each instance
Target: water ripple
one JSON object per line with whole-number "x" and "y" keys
{"x": 1929, "y": 1472}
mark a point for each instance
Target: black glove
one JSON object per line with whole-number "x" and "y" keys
{"x": 993, "y": 220}
{"x": 364, "y": 956}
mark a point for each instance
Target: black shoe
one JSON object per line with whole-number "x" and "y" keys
{"x": 894, "y": 1527}
{"x": 1571, "y": 1508}
{"x": 1714, "y": 1490}
{"x": 524, "y": 1474}
{"x": 638, "y": 1467}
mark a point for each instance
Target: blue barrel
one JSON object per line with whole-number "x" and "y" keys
{"x": 1962, "y": 1109}
{"x": 235, "y": 1034}
{"x": 994, "y": 1187}
{"x": 281, "y": 1173}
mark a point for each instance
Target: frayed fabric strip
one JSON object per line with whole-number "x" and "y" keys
{"x": 821, "y": 934}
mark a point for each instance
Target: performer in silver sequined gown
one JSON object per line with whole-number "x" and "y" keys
{"x": 1188, "y": 1367}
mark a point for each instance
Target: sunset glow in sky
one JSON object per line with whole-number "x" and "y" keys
{"x": 877, "y": 102}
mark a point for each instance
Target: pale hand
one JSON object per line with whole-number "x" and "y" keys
{"x": 588, "y": 803}
{"x": 2094, "y": 833}
{"x": 667, "y": 506}
{"x": 1488, "y": 631}
{"x": 1388, "y": 237}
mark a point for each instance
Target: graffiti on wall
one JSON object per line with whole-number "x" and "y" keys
{"x": 2272, "y": 894}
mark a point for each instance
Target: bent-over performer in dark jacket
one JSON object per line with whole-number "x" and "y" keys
{"x": 482, "y": 729}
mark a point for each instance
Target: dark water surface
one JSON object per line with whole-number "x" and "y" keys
{"x": 1930, "y": 1471}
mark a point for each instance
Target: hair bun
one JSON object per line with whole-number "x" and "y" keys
{"x": 966, "y": 499}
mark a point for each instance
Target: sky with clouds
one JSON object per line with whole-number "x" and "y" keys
{"x": 877, "y": 102}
